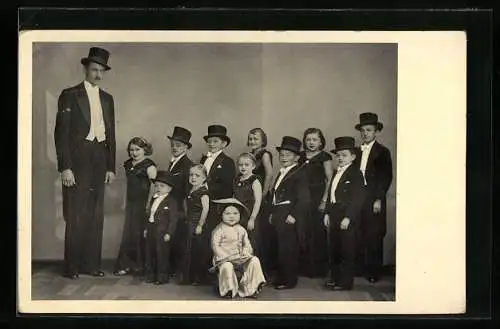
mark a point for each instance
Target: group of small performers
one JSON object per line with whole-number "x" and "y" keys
{"x": 233, "y": 220}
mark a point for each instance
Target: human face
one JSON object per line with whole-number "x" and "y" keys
{"x": 255, "y": 141}
{"x": 136, "y": 152}
{"x": 162, "y": 188}
{"x": 196, "y": 177}
{"x": 178, "y": 148}
{"x": 215, "y": 144}
{"x": 368, "y": 133}
{"x": 245, "y": 166}
{"x": 231, "y": 215}
{"x": 344, "y": 157}
{"x": 94, "y": 73}
{"x": 313, "y": 142}
{"x": 287, "y": 158}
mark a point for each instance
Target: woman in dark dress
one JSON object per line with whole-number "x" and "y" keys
{"x": 140, "y": 170}
{"x": 193, "y": 269}
{"x": 257, "y": 142}
{"x": 318, "y": 165}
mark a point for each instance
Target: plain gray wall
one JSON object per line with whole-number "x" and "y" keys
{"x": 283, "y": 88}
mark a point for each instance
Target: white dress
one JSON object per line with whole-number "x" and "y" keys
{"x": 233, "y": 250}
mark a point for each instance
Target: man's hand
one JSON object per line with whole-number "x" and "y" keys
{"x": 377, "y": 206}
{"x": 290, "y": 219}
{"x": 344, "y": 224}
{"x": 326, "y": 221}
{"x": 67, "y": 177}
{"x": 110, "y": 176}
{"x": 251, "y": 224}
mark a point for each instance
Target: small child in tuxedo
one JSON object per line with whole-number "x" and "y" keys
{"x": 233, "y": 253}
{"x": 342, "y": 210}
{"x": 162, "y": 218}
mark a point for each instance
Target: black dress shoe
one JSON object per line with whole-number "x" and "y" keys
{"x": 340, "y": 288}
{"x": 72, "y": 276}
{"x": 330, "y": 283}
{"x": 284, "y": 286}
{"x": 97, "y": 273}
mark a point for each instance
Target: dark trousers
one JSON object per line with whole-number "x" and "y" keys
{"x": 342, "y": 249}
{"x": 371, "y": 246}
{"x": 157, "y": 254}
{"x": 287, "y": 247}
{"x": 83, "y": 209}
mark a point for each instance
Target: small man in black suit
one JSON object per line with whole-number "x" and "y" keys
{"x": 162, "y": 217}
{"x": 343, "y": 207}
{"x": 86, "y": 149}
{"x": 221, "y": 171}
{"x": 289, "y": 200}
{"x": 179, "y": 170}
{"x": 374, "y": 161}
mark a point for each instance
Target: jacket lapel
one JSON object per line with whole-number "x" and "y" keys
{"x": 104, "y": 107}
{"x": 217, "y": 162}
{"x": 373, "y": 154}
{"x": 160, "y": 210}
{"x": 83, "y": 102}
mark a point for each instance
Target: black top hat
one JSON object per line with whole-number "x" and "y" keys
{"x": 369, "y": 119}
{"x": 182, "y": 135}
{"x": 217, "y": 131}
{"x": 165, "y": 177}
{"x": 97, "y": 55}
{"x": 291, "y": 144}
{"x": 232, "y": 202}
{"x": 344, "y": 143}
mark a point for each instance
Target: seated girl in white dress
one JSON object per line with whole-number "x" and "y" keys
{"x": 233, "y": 253}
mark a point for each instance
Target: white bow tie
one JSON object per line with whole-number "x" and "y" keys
{"x": 210, "y": 155}
{"x": 364, "y": 147}
{"x": 172, "y": 160}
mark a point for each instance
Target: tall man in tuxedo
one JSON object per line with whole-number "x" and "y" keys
{"x": 374, "y": 161}
{"x": 86, "y": 150}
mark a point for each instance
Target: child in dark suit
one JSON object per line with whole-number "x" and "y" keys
{"x": 374, "y": 161}
{"x": 160, "y": 228}
{"x": 290, "y": 198}
{"x": 342, "y": 211}
{"x": 179, "y": 170}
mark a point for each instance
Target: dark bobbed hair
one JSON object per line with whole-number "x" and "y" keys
{"x": 263, "y": 135}
{"x": 314, "y": 131}
{"x": 142, "y": 143}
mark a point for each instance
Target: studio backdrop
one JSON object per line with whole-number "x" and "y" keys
{"x": 283, "y": 88}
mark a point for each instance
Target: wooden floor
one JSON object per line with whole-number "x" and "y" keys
{"x": 48, "y": 284}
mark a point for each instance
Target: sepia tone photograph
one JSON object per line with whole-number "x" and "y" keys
{"x": 214, "y": 171}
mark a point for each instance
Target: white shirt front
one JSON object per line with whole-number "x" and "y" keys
{"x": 336, "y": 180}
{"x": 365, "y": 153}
{"x": 174, "y": 161}
{"x": 283, "y": 172}
{"x": 210, "y": 160}
{"x": 156, "y": 203}
{"x": 97, "y": 129}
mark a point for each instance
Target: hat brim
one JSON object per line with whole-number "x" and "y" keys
{"x": 279, "y": 148}
{"x": 166, "y": 181}
{"x": 223, "y": 137}
{"x": 343, "y": 148}
{"x": 87, "y": 60}
{"x": 189, "y": 145}
{"x": 379, "y": 125}
{"x": 232, "y": 202}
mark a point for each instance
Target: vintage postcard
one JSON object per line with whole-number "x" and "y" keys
{"x": 256, "y": 172}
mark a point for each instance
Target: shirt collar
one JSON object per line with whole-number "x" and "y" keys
{"x": 216, "y": 154}
{"x": 88, "y": 86}
{"x": 369, "y": 145}
{"x": 177, "y": 158}
{"x": 287, "y": 169}
{"x": 343, "y": 168}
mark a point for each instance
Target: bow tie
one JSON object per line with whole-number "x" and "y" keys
{"x": 282, "y": 170}
{"x": 210, "y": 155}
{"x": 364, "y": 147}
{"x": 172, "y": 160}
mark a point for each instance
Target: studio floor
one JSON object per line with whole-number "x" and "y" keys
{"x": 48, "y": 284}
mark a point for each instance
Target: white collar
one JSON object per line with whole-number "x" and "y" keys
{"x": 369, "y": 145}
{"x": 216, "y": 154}
{"x": 174, "y": 159}
{"x": 343, "y": 168}
{"x": 88, "y": 86}
{"x": 287, "y": 169}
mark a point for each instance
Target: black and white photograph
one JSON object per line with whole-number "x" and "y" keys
{"x": 203, "y": 170}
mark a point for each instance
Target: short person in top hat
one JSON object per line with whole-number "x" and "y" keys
{"x": 162, "y": 216}
{"x": 85, "y": 145}
{"x": 342, "y": 211}
{"x": 232, "y": 251}
{"x": 289, "y": 200}
{"x": 374, "y": 161}
{"x": 179, "y": 167}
